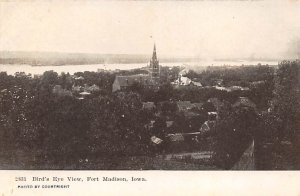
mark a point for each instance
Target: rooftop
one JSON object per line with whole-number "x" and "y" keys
{"x": 130, "y": 80}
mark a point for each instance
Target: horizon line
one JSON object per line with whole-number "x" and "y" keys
{"x": 161, "y": 55}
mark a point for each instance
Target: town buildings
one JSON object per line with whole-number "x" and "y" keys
{"x": 151, "y": 79}
{"x": 182, "y": 80}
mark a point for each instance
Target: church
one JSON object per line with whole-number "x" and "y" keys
{"x": 150, "y": 80}
{"x": 154, "y": 65}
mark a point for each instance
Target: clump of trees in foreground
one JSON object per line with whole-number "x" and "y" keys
{"x": 49, "y": 129}
{"x": 276, "y": 130}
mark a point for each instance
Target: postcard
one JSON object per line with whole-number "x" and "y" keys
{"x": 149, "y": 97}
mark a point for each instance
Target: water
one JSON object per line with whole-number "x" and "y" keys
{"x": 29, "y": 69}
{"x": 12, "y": 69}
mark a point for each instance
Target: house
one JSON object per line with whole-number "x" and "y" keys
{"x": 156, "y": 140}
{"x": 198, "y": 84}
{"x": 207, "y": 126}
{"x": 124, "y": 82}
{"x": 222, "y": 88}
{"x": 148, "y": 105}
{"x": 86, "y": 88}
{"x": 235, "y": 88}
{"x": 244, "y": 102}
{"x": 57, "y": 89}
{"x": 193, "y": 142}
{"x": 79, "y": 78}
{"x": 177, "y": 137}
{"x": 184, "y": 105}
{"x": 183, "y": 142}
{"x": 187, "y": 105}
{"x": 231, "y": 88}
{"x": 93, "y": 88}
{"x": 182, "y": 80}
{"x": 185, "y": 81}
{"x": 189, "y": 109}
{"x": 84, "y": 93}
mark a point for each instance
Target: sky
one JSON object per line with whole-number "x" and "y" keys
{"x": 205, "y": 29}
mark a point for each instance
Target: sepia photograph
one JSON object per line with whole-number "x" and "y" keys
{"x": 149, "y": 85}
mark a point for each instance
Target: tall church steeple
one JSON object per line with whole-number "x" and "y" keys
{"x": 154, "y": 64}
{"x": 154, "y": 57}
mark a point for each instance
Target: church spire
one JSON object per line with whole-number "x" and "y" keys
{"x": 154, "y": 64}
{"x": 154, "y": 57}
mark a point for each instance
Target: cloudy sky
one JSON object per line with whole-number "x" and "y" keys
{"x": 207, "y": 29}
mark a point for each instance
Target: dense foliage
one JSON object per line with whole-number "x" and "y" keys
{"x": 61, "y": 129}
{"x": 48, "y": 128}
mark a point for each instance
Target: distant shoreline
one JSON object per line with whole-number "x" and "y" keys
{"x": 63, "y": 59}
{"x": 11, "y": 69}
{"x": 208, "y": 63}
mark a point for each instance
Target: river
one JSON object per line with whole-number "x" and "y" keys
{"x": 11, "y": 69}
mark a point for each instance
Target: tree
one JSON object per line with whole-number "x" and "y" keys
{"x": 233, "y": 133}
{"x": 117, "y": 126}
{"x": 286, "y": 102}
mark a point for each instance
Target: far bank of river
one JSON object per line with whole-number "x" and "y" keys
{"x": 11, "y": 69}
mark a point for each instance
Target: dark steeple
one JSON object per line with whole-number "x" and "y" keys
{"x": 154, "y": 64}
{"x": 154, "y": 57}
